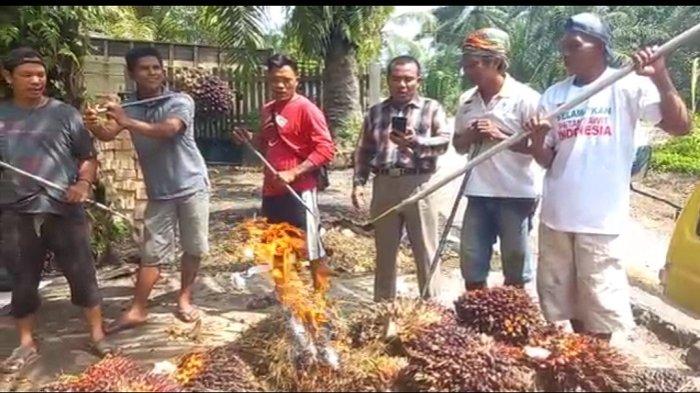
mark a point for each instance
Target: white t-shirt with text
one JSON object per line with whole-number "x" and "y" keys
{"x": 507, "y": 174}
{"x": 586, "y": 189}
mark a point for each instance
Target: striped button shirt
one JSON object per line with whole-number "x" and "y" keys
{"x": 375, "y": 151}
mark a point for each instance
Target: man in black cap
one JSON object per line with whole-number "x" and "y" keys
{"x": 588, "y": 153}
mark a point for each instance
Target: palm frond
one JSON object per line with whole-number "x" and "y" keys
{"x": 239, "y": 32}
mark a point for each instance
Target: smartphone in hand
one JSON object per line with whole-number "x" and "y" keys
{"x": 398, "y": 124}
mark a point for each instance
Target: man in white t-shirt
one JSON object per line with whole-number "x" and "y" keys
{"x": 503, "y": 190}
{"x": 588, "y": 152}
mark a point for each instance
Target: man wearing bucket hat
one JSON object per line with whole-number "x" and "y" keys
{"x": 588, "y": 152}
{"x": 503, "y": 190}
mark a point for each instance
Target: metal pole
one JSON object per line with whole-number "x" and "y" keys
{"x": 276, "y": 173}
{"x": 139, "y": 102}
{"x": 665, "y": 49}
{"x": 59, "y": 188}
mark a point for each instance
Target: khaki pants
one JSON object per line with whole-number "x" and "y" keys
{"x": 421, "y": 221}
{"x": 581, "y": 276}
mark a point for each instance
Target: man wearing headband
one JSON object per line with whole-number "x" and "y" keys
{"x": 588, "y": 152}
{"x": 47, "y": 138}
{"x": 503, "y": 190}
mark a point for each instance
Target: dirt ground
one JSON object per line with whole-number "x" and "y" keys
{"x": 673, "y": 187}
{"x": 62, "y": 332}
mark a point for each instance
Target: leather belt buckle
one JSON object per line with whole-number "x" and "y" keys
{"x": 395, "y": 172}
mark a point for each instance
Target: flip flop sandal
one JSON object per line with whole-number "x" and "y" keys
{"x": 102, "y": 348}
{"x": 190, "y": 316}
{"x": 118, "y": 326}
{"x": 20, "y": 357}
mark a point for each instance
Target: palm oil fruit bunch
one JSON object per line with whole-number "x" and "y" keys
{"x": 580, "y": 362}
{"x": 211, "y": 94}
{"x": 506, "y": 313}
{"x": 219, "y": 369}
{"x": 647, "y": 379}
{"x": 114, "y": 374}
{"x": 402, "y": 319}
{"x": 452, "y": 358}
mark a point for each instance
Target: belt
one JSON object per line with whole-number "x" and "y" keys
{"x": 395, "y": 172}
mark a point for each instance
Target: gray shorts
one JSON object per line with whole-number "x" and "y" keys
{"x": 161, "y": 222}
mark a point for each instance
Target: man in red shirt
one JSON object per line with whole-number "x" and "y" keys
{"x": 296, "y": 141}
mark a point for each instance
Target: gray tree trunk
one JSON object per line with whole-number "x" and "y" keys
{"x": 341, "y": 91}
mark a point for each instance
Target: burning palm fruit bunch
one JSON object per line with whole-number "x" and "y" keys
{"x": 266, "y": 349}
{"x": 211, "y": 94}
{"x": 397, "y": 322}
{"x": 449, "y": 357}
{"x": 506, "y": 313}
{"x": 571, "y": 362}
{"x": 242, "y": 239}
{"x": 114, "y": 374}
{"x": 283, "y": 248}
{"x": 219, "y": 369}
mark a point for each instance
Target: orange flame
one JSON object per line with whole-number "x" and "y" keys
{"x": 283, "y": 246}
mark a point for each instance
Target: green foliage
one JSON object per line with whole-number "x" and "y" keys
{"x": 184, "y": 24}
{"x": 342, "y": 36}
{"x": 316, "y": 30}
{"x": 694, "y": 77}
{"x": 535, "y": 31}
{"x": 237, "y": 29}
{"x": 440, "y": 82}
{"x": 105, "y": 231}
{"x": 396, "y": 44}
{"x": 239, "y": 32}
{"x": 679, "y": 154}
{"x": 56, "y": 32}
{"x": 346, "y": 135}
{"x": 252, "y": 121}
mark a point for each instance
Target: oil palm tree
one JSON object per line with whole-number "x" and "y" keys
{"x": 339, "y": 35}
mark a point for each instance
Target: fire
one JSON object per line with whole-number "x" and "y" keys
{"x": 283, "y": 246}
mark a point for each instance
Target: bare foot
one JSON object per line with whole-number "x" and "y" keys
{"x": 128, "y": 320}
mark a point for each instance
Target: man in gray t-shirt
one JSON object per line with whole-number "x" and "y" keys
{"x": 176, "y": 180}
{"x": 45, "y": 137}
{"x": 22, "y": 132}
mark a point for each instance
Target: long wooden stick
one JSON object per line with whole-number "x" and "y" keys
{"x": 448, "y": 225}
{"x": 59, "y": 188}
{"x": 668, "y": 47}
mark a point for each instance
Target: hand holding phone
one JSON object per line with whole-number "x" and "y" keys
{"x": 398, "y": 124}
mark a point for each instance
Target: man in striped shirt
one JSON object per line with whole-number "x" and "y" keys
{"x": 400, "y": 142}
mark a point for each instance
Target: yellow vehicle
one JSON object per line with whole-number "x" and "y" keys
{"x": 681, "y": 276}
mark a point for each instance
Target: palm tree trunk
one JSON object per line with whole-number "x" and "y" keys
{"x": 341, "y": 92}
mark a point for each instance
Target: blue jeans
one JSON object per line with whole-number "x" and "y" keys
{"x": 511, "y": 220}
